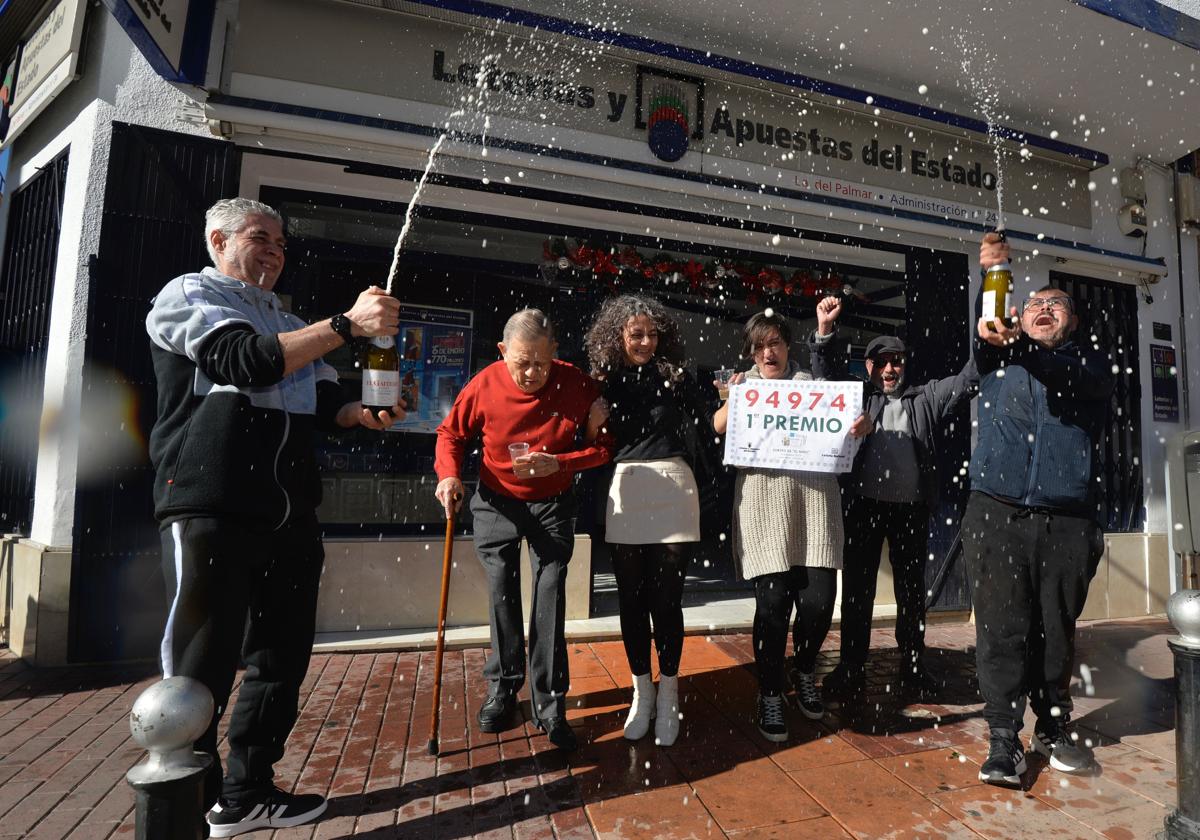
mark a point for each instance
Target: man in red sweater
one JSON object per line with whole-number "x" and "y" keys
{"x": 527, "y": 397}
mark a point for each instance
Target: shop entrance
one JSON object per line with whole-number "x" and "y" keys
{"x": 379, "y": 486}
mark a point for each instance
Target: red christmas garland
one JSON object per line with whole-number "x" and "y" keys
{"x": 612, "y": 267}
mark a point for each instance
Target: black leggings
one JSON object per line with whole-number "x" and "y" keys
{"x": 812, "y": 592}
{"x": 650, "y": 585}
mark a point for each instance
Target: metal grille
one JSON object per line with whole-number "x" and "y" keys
{"x": 939, "y": 344}
{"x": 159, "y": 186}
{"x": 30, "y": 254}
{"x": 1109, "y": 312}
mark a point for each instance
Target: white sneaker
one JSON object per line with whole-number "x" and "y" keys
{"x": 641, "y": 710}
{"x": 666, "y": 724}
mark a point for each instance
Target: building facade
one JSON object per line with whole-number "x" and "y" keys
{"x": 722, "y": 164}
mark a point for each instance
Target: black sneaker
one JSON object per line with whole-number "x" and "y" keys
{"x": 771, "y": 722}
{"x": 496, "y": 713}
{"x": 845, "y": 680}
{"x": 808, "y": 694}
{"x": 1006, "y": 760}
{"x": 560, "y": 733}
{"x": 1059, "y": 743}
{"x": 272, "y": 809}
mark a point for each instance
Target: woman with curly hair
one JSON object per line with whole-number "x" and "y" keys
{"x": 653, "y": 511}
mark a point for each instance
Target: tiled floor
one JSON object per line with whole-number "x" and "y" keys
{"x": 875, "y": 771}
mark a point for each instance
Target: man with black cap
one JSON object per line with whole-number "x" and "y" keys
{"x": 889, "y": 494}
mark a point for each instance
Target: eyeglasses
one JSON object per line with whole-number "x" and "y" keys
{"x": 1054, "y": 304}
{"x": 884, "y": 360}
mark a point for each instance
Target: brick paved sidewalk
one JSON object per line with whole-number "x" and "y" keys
{"x": 876, "y": 771}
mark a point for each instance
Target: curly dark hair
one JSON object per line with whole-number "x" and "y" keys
{"x": 605, "y": 338}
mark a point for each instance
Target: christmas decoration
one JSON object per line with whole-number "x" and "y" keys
{"x": 616, "y": 267}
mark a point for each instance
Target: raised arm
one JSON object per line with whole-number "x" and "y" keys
{"x": 828, "y": 356}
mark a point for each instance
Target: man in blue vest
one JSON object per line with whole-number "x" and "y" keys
{"x": 1031, "y": 541}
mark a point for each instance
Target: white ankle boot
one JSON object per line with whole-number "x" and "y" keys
{"x": 641, "y": 712}
{"x": 666, "y": 727}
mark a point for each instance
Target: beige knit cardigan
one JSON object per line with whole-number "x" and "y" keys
{"x": 784, "y": 518}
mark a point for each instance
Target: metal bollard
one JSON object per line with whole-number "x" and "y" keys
{"x": 1183, "y": 609}
{"x": 166, "y": 720}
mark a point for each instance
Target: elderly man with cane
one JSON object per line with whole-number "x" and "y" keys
{"x": 529, "y": 409}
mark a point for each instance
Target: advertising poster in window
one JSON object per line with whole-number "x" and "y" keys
{"x": 434, "y": 344}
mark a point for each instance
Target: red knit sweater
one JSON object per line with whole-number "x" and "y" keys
{"x": 494, "y": 408}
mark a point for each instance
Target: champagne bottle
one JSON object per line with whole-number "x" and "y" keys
{"x": 997, "y": 286}
{"x": 381, "y": 375}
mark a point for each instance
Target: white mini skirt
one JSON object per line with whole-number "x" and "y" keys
{"x": 652, "y": 502}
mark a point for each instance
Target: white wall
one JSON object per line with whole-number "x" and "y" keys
{"x": 117, "y": 85}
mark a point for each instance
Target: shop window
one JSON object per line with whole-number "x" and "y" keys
{"x": 378, "y": 485}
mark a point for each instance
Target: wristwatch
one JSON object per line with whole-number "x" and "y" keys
{"x": 342, "y": 326}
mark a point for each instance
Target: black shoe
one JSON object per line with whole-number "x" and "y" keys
{"x": 771, "y": 722}
{"x": 845, "y": 680}
{"x": 1006, "y": 760}
{"x": 560, "y": 733}
{"x": 918, "y": 684}
{"x": 1059, "y": 743}
{"x": 270, "y": 809}
{"x": 496, "y": 713}
{"x": 808, "y": 695}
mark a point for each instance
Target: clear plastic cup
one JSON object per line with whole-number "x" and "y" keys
{"x": 722, "y": 378}
{"x": 517, "y": 450}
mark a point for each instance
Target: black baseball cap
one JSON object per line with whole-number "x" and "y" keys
{"x": 885, "y": 344}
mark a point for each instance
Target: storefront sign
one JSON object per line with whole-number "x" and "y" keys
{"x": 1164, "y": 383}
{"x": 793, "y": 425}
{"x": 173, "y": 35}
{"x": 435, "y": 362}
{"x": 558, "y": 92}
{"x": 48, "y": 63}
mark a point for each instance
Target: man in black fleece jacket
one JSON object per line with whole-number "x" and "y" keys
{"x": 241, "y": 392}
{"x": 890, "y": 493}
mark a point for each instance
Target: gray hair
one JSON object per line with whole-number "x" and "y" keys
{"x": 529, "y": 325}
{"x": 229, "y": 216}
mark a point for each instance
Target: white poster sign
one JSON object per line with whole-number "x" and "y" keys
{"x": 48, "y": 63}
{"x": 790, "y": 424}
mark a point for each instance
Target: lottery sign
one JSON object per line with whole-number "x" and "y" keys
{"x": 791, "y": 424}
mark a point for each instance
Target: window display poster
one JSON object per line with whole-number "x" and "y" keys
{"x": 434, "y": 345}
{"x": 790, "y": 424}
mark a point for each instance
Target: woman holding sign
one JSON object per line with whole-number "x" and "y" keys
{"x": 653, "y": 511}
{"x": 787, "y": 529}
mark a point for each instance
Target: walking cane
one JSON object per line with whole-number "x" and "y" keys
{"x": 447, "y": 553}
